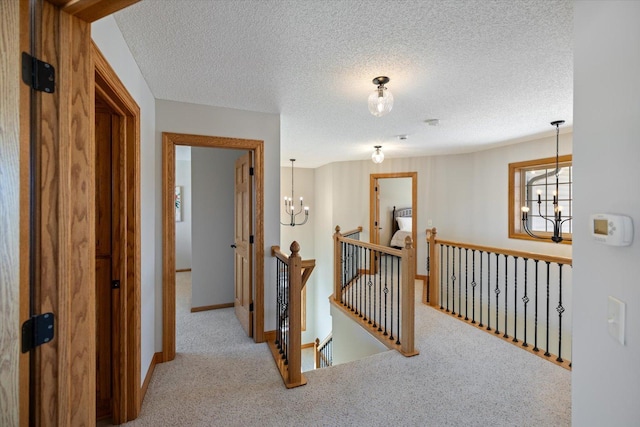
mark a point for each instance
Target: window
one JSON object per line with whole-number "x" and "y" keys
{"x": 533, "y": 184}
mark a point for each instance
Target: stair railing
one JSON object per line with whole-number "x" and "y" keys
{"x": 291, "y": 275}
{"x": 519, "y": 296}
{"x": 375, "y": 286}
{"x": 324, "y": 352}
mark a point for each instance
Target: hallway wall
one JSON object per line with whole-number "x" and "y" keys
{"x": 606, "y": 374}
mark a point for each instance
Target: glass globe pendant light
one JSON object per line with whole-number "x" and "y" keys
{"x": 381, "y": 99}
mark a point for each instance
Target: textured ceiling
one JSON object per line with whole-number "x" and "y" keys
{"x": 493, "y": 72}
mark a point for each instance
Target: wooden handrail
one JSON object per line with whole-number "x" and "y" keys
{"x": 354, "y": 231}
{"x": 514, "y": 253}
{"x": 378, "y": 248}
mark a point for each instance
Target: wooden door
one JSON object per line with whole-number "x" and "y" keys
{"x": 106, "y": 197}
{"x": 242, "y": 244}
{"x": 375, "y": 231}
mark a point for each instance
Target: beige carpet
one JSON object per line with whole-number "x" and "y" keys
{"x": 462, "y": 377}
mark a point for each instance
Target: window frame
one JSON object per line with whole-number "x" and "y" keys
{"x": 515, "y": 202}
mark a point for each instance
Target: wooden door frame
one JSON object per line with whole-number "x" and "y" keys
{"x": 126, "y": 302}
{"x": 64, "y": 387}
{"x": 169, "y": 142}
{"x": 414, "y": 200}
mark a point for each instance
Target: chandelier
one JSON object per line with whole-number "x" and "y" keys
{"x": 291, "y": 210}
{"x": 381, "y": 99}
{"x": 556, "y": 218}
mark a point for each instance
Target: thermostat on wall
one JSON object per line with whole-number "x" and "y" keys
{"x": 610, "y": 229}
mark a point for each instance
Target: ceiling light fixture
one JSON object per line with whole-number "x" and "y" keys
{"x": 556, "y": 219}
{"x": 290, "y": 210}
{"x": 381, "y": 99}
{"x": 378, "y": 156}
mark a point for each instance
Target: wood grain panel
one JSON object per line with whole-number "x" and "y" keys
{"x": 168, "y": 251}
{"x": 103, "y": 185}
{"x": 51, "y": 396}
{"x": 92, "y": 10}
{"x": 25, "y": 298}
{"x": 65, "y": 368}
{"x": 103, "y": 333}
{"x": 77, "y": 194}
{"x": 243, "y": 250}
{"x": 9, "y": 214}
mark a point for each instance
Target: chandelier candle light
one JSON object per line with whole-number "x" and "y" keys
{"x": 556, "y": 220}
{"x": 290, "y": 209}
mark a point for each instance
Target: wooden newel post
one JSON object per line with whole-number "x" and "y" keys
{"x": 337, "y": 265}
{"x": 434, "y": 268}
{"x": 407, "y": 340}
{"x": 295, "y": 326}
{"x": 316, "y": 354}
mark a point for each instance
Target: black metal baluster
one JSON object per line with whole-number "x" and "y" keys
{"x": 447, "y": 278}
{"x": 391, "y": 307}
{"x": 497, "y": 291}
{"x": 546, "y": 353}
{"x": 441, "y": 278}
{"x": 453, "y": 282}
{"x": 352, "y": 283}
{"x": 525, "y": 300}
{"x": 560, "y": 310}
{"x": 285, "y": 310}
{"x": 488, "y": 291}
{"x": 515, "y": 299}
{"x": 345, "y": 266}
{"x": 375, "y": 263}
{"x": 506, "y": 291}
{"x": 367, "y": 254}
{"x": 398, "y": 297}
{"x": 370, "y": 284}
{"x": 466, "y": 284}
{"x": 386, "y": 294}
{"x": 429, "y": 272}
{"x": 473, "y": 286}
{"x": 459, "y": 282}
{"x": 535, "y": 323}
{"x": 278, "y": 286}
{"x": 480, "y": 299}
{"x": 358, "y": 290}
{"x": 380, "y": 296}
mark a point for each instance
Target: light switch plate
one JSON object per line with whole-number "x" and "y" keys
{"x": 616, "y": 318}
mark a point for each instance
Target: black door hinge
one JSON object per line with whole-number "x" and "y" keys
{"x": 251, "y": 239}
{"x": 37, "y": 330}
{"x": 38, "y": 74}
{"x": 251, "y": 171}
{"x": 251, "y": 307}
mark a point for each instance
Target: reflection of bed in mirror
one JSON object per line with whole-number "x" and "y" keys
{"x": 401, "y": 226}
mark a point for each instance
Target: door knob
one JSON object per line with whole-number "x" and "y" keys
{"x": 233, "y": 246}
